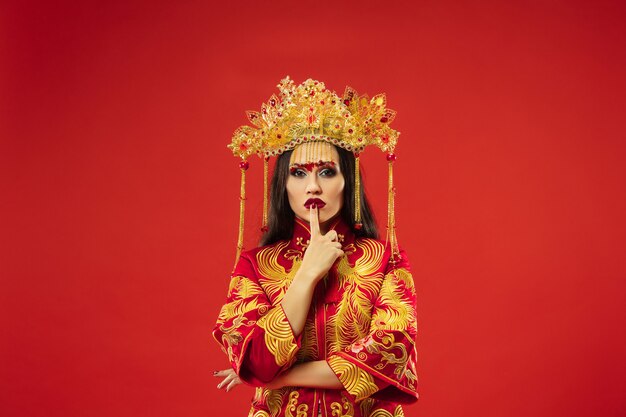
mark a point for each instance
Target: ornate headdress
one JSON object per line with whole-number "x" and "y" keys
{"x": 309, "y": 112}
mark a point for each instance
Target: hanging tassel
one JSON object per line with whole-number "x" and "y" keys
{"x": 265, "y": 191}
{"x": 391, "y": 217}
{"x": 243, "y": 165}
{"x": 357, "y": 194}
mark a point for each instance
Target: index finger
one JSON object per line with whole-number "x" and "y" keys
{"x": 223, "y": 372}
{"x": 314, "y": 220}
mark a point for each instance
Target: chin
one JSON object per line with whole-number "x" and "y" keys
{"x": 324, "y": 217}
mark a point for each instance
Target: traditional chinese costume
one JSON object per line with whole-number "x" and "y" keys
{"x": 361, "y": 321}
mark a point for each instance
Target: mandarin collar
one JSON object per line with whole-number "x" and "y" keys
{"x": 302, "y": 232}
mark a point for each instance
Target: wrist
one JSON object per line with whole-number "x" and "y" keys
{"x": 306, "y": 277}
{"x": 290, "y": 378}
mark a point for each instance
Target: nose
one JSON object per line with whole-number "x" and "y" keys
{"x": 313, "y": 186}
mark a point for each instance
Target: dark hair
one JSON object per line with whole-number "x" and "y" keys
{"x": 281, "y": 216}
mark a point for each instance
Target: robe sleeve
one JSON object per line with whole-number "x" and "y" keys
{"x": 256, "y": 335}
{"x": 382, "y": 365}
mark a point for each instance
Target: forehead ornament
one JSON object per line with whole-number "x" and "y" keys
{"x": 312, "y": 153}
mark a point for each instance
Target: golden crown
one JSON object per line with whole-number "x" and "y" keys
{"x": 311, "y": 112}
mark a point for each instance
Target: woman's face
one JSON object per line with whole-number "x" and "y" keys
{"x": 320, "y": 183}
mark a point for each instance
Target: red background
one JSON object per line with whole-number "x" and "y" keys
{"x": 119, "y": 198}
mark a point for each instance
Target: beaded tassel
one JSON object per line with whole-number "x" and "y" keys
{"x": 265, "y": 190}
{"x": 357, "y": 194}
{"x": 243, "y": 165}
{"x": 391, "y": 217}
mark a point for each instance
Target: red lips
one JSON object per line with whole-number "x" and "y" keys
{"x": 318, "y": 203}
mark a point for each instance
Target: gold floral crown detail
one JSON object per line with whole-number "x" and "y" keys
{"x": 311, "y": 112}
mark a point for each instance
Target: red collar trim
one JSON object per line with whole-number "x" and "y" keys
{"x": 302, "y": 229}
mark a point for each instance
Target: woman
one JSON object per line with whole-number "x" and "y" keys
{"x": 321, "y": 317}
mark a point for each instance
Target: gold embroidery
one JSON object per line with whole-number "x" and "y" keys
{"x": 360, "y": 284}
{"x": 385, "y": 349}
{"x": 305, "y": 243}
{"x": 405, "y": 277}
{"x": 371, "y": 259}
{"x": 292, "y": 254}
{"x": 292, "y": 405}
{"x": 300, "y": 242}
{"x": 354, "y": 379}
{"x": 349, "y": 249}
{"x": 259, "y": 395}
{"x": 338, "y": 410}
{"x": 270, "y": 398}
{"x": 243, "y": 294}
{"x": 405, "y": 368}
{"x": 274, "y": 278}
{"x": 308, "y": 348}
{"x": 398, "y": 412}
{"x": 396, "y": 312}
{"x": 411, "y": 373}
{"x": 278, "y": 336}
{"x": 366, "y": 406}
{"x": 241, "y": 290}
{"x": 275, "y": 400}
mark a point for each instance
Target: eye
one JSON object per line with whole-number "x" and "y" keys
{"x": 327, "y": 172}
{"x": 297, "y": 172}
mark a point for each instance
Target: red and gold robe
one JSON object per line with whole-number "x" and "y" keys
{"x": 361, "y": 321}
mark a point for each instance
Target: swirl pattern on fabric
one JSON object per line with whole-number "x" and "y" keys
{"x": 278, "y": 336}
{"x": 356, "y": 381}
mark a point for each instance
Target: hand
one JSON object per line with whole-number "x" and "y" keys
{"x": 230, "y": 381}
{"x": 323, "y": 250}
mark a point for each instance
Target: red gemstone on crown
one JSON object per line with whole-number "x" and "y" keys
{"x": 244, "y": 165}
{"x": 391, "y": 157}
{"x": 384, "y": 119}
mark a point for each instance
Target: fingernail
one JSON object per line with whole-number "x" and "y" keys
{"x": 214, "y": 373}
